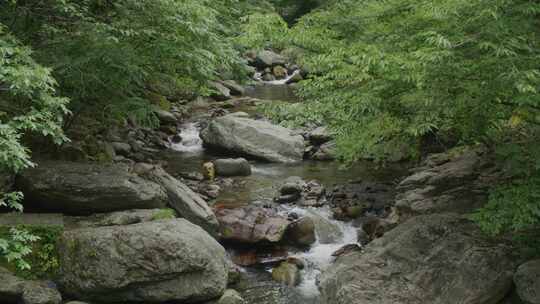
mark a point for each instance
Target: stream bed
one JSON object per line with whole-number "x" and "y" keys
{"x": 257, "y": 286}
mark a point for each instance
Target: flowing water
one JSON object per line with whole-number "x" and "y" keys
{"x": 262, "y": 185}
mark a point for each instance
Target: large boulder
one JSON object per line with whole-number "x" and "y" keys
{"x": 83, "y": 188}
{"x": 232, "y": 167}
{"x": 251, "y": 224}
{"x": 158, "y": 261}
{"x": 456, "y": 181}
{"x": 267, "y": 58}
{"x": 14, "y": 290}
{"x": 431, "y": 259}
{"x": 527, "y": 281}
{"x": 221, "y": 92}
{"x": 181, "y": 198}
{"x": 255, "y": 138}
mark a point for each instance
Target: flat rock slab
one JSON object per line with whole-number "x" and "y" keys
{"x": 85, "y": 188}
{"x": 32, "y": 219}
{"x": 430, "y": 259}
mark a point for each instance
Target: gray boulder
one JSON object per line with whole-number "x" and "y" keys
{"x": 527, "y": 281}
{"x": 233, "y": 87}
{"x": 435, "y": 259}
{"x": 231, "y": 297}
{"x": 221, "y": 92}
{"x": 251, "y": 224}
{"x": 326, "y": 152}
{"x": 166, "y": 117}
{"x": 41, "y": 293}
{"x": 11, "y": 288}
{"x": 187, "y": 203}
{"x": 456, "y": 181}
{"x": 255, "y": 138}
{"x": 232, "y": 167}
{"x": 319, "y": 136}
{"x": 267, "y": 58}
{"x": 159, "y": 261}
{"x": 14, "y": 290}
{"x": 117, "y": 218}
{"x": 80, "y": 188}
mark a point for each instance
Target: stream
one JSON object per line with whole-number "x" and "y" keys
{"x": 257, "y": 287}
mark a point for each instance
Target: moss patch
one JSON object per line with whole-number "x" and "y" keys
{"x": 164, "y": 214}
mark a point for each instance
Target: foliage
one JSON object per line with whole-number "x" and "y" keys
{"x": 16, "y": 247}
{"x": 385, "y": 74}
{"x": 264, "y": 30}
{"x": 37, "y": 249}
{"x": 105, "y": 54}
{"x": 164, "y": 214}
{"x": 28, "y": 104}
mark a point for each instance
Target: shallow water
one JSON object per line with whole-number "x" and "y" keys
{"x": 262, "y": 185}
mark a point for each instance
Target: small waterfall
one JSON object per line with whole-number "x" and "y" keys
{"x": 191, "y": 141}
{"x": 258, "y": 77}
{"x": 332, "y": 235}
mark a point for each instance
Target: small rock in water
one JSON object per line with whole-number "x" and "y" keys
{"x": 231, "y": 297}
{"x": 232, "y": 167}
{"x": 209, "y": 171}
{"x": 346, "y": 250}
{"x": 301, "y": 232}
{"x": 287, "y": 273}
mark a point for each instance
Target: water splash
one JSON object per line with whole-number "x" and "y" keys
{"x": 319, "y": 257}
{"x": 258, "y": 77}
{"x": 191, "y": 141}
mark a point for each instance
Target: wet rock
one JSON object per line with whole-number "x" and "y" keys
{"x": 325, "y": 152}
{"x": 287, "y": 273}
{"x": 221, "y": 92}
{"x": 301, "y": 232}
{"x": 11, "y": 288}
{"x": 279, "y": 72}
{"x": 232, "y": 167}
{"x": 14, "y": 290}
{"x": 255, "y": 138}
{"x": 349, "y": 248}
{"x": 176, "y": 139}
{"x": 319, "y": 136}
{"x": 362, "y": 237}
{"x": 376, "y": 227}
{"x": 296, "y": 77}
{"x": 121, "y": 148}
{"x": 159, "y": 261}
{"x": 80, "y": 188}
{"x": 456, "y": 181}
{"x": 267, "y": 58}
{"x": 296, "y": 190}
{"x": 440, "y": 258}
{"x": 527, "y": 281}
{"x": 355, "y": 199}
{"x": 41, "y": 293}
{"x": 251, "y": 224}
{"x": 234, "y": 87}
{"x": 260, "y": 256}
{"x": 268, "y": 77}
{"x": 71, "y": 151}
{"x": 327, "y": 231}
{"x": 183, "y": 200}
{"x": 166, "y": 117}
{"x": 231, "y": 297}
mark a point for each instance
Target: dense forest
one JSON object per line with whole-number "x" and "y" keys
{"x": 393, "y": 82}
